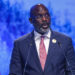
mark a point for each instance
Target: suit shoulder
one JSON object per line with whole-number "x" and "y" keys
{"x": 61, "y": 35}
{"x": 24, "y": 37}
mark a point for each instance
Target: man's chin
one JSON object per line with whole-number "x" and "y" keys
{"x": 43, "y": 31}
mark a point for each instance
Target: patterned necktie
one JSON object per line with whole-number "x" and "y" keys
{"x": 43, "y": 54}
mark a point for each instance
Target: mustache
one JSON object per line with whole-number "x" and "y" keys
{"x": 44, "y": 23}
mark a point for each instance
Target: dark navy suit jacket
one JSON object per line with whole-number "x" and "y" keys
{"x": 60, "y": 59}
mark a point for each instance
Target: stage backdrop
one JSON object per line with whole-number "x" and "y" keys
{"x": 14, "y": 15}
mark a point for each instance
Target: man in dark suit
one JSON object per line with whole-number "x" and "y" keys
{"x": 43, "y": 51}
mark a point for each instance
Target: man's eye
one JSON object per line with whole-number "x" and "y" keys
{"x": 46, "y": 15}
{"x": 38, "y": 16}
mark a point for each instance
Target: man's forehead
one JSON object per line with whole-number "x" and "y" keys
{"x": 38, "y": 7}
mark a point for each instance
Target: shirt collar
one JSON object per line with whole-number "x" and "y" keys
{"x": 38, "y": 35}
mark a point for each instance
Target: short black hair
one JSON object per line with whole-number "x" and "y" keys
{"x": 35, "y": 7}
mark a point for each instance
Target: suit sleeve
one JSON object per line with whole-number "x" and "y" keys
{"x": 16, "y": 67}
{"x": 70, "y": 58}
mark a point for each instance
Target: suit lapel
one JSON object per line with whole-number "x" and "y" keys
{"x": 34, "y": 51}
{"x": 53, "y": 47}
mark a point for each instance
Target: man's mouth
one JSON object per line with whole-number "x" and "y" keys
{"x": 45, "y": 26}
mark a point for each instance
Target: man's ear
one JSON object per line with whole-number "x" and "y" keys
{"x": 30, "y": 19}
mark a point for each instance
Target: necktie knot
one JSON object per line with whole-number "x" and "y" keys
{"x": 42, "y": 37}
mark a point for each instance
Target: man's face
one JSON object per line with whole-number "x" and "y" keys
{"x": 41, "y": 19}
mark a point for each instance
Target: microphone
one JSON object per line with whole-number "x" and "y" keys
{"x": 25, "y": 65}
{"x": 59, "y": 44}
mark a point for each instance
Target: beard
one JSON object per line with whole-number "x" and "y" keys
{"x": 43, "y": 28}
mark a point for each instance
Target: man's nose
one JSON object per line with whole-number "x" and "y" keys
{"x": 43, "y": 18}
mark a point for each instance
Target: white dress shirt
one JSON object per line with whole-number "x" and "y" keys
{"x": 37, "y": 38}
